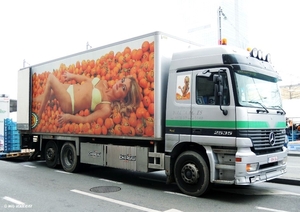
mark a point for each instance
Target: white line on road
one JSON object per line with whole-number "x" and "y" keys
{"x": 63, "y": 172}
{"x": 269, "y": 209}
{"x": 110, "y": 181}
{"x": 114, "y": 201}
{"x": 178, "y": 194}
{"x": 17, "y": 202}
{"x": 120, "y": 202}
{"x": 30, "y": 166}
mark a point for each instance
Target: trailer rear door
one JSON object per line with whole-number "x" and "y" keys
{"x": 23, "y": 106}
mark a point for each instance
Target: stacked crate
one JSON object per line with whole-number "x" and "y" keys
{"x": 11, "y": 137}
{"x": 294, "y": 136}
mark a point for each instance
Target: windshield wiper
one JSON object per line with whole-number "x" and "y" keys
{"x": 264, "y": 107}
{"x": 282, "y": 112}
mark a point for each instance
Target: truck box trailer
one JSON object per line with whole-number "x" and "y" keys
{"x": 205, "y": 115}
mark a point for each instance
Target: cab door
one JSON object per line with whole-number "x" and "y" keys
{"x": 213, "y": 110}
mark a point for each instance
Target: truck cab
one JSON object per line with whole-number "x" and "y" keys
{"x": 230, "y": 126}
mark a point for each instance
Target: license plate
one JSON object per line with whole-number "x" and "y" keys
{"x": 272, "y": 159}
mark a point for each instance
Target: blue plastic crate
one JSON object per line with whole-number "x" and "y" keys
{"x": 10, "y": 127}
{"x": 11, "y": 142}
{"x": 11, "y": 132}
{"x": 7, "y": 121}
{"x": 13, "y": 148}
{"x": 11, "y": 137}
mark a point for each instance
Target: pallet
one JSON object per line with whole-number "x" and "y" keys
{"x": 15, "y": 154}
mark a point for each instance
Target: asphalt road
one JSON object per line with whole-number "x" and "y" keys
{"x": 34, "y": 187}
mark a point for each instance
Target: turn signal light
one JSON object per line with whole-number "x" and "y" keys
{"x": 224, "y": 41}
{"x": 250, "y": 167}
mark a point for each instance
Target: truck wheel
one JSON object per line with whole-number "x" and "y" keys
{"x": 192, "y": 173}
{"x": 51, "y": 154}
{"x": 68, "y": 157}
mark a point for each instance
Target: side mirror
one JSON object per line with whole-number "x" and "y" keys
{"x": 218, "y": 80}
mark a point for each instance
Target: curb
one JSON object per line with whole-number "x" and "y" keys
{"x": 288, "y": 181}
{"x": 293, "y": 153}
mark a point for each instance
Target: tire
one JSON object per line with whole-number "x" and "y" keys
{"x": 192, "y": 174}
{"x": 51, "y": 154}
{"x": 68, "y": 157}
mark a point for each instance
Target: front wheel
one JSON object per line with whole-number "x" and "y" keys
{"x": 68, "y": 157}
{"x": 51, "y": 154}
{"x": 192, "y": 173}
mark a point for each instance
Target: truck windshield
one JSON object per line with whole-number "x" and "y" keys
{"x": 257, "y": 90}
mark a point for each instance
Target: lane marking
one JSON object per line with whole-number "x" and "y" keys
{"x": 179, "y": 194}
{"x": 110, "y": 181}
{"x": 121, "y": 202}
{"x": 63, "y": 172}
{"x": 269, "y": 209}
{"x": 29, "y": 166}
{"x": 17, "y": 202}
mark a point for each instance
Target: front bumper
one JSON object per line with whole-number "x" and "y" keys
{"x": 267, "y": 169}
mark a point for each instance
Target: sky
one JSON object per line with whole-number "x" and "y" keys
{"x": 38, "y": 31}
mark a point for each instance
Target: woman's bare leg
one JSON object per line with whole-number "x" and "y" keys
{"x": 53, "y": 88}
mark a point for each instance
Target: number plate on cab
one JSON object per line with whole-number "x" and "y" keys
{"x": 272, "y": 159}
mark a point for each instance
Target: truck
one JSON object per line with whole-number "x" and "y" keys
{"x": 203, "y": 115}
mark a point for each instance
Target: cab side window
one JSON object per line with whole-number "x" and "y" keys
{"x": 205, "y": 91}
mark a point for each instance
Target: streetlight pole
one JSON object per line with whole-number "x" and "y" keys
{"x": 88, "y": 46}
{"x": 25, "y": 63}
{"x": 220, "y": 14}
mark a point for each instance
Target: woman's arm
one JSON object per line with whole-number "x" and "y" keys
{"x": 76, "y": 77}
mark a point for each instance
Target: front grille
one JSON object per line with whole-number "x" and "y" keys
{"x": 261, "y": 142}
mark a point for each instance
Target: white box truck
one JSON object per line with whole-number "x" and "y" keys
{"x": 205, "y": 115}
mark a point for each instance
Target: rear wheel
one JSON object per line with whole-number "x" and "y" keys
{"x": 51, "y": 154}
{"x": 192, "y": 173}
{"x": 68, "y": 157}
